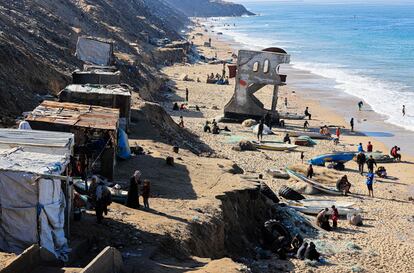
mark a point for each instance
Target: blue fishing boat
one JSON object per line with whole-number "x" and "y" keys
{"x": 341, "y": 157}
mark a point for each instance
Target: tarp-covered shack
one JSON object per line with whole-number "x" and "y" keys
{"x": 32, "y": 201}
{"x": 113, "y": 96}
{"x": 95, "y": 129}
{"x": 95, "y": 50}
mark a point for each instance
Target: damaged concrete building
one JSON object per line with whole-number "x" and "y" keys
{"x": 255, "y": 70}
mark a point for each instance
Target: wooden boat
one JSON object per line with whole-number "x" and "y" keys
{"x": 314, "y": 135}
{"x": 316, "y": 185}
{"x": 341, "y": 157}
{"x": 274, "y": 146}
{"x": 316, "y": 206}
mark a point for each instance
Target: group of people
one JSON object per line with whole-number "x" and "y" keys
{"x": 214, "y": 128}
{"x": 323, "y": 217}
{"x": 100, "y": 196}
{"x": 217, "y": 79}
{"x": 324, "y": 130}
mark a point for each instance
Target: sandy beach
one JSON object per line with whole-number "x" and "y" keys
{"x": 385, "y": 243}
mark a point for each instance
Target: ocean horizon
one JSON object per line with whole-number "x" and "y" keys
{"x": 364, "y": 50}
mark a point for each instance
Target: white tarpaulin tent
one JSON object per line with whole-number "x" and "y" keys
{"x": 44, "y": 142}
{"x": 32, "y": 201}
{"x": 93, "y": 51}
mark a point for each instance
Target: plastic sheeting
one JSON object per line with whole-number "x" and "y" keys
{"x": 124, "y": 152}
{"x": 94, "y": 51}
{"x": 32, "y": 212}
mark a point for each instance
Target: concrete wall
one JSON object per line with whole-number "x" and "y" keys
{"x": 108, "y": 261}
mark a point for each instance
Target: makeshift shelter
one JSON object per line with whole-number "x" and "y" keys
{"x": 95, "y": 50}
{"x": 32, "y": 201}
{"x": 113, "y": 96}
{"x": 95, "y": 129}
{"x": 37, "y": 141}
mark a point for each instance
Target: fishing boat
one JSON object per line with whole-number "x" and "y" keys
{"x": 274, "y": 146}
{"x": 316, "y": 185}
{"x": 313, "y": 207}
{"x": 311, "y": 134}
{"x": 276, "y": 173}
{"x": 340, "y": 157}
{"x": 291, "y": 116}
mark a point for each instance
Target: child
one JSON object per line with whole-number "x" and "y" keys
{"x": 146, "y": 193}
{"x": 302, "y": 156}
{"x": 181, "y": 124}
{"x": 370, "y": 182}
{"x": 334, "y": 217}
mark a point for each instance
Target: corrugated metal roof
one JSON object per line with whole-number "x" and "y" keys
{"x": 114, "y": 89}
{"x": 75, "y": 114}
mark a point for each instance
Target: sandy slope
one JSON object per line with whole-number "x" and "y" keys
{"x": 384, "y": 244}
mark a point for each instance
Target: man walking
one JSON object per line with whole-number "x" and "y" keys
{"x": 361, "y": 159}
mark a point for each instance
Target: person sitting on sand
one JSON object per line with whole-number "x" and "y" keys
{"x": 370, "y": 182}
{"x": 307, "y": 114}
{"x": 322, "y": 220}
{"x": 212, "y": 76}
{"x": 216, "y": 129}
{"x": 286, "y": 139}
{"x": 207, "y": 128}
{"x": 182, "y": 107}
{"x": 175, "y": 107}
{"x": 295, "y": 244}
{"x": 301, "y": 251}
{"x": 309, "y": 172}
{"x": 369, "y": 147}
{"x": 334, "y": 217}
{"x": 381, "y": 172}
{"x": 394, "y": 153}
{"x": 343, "y": 185}
{"x": 226, "y": 81}
{"x": 311, "y": 253}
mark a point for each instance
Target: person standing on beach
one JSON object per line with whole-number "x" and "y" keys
{"x": 302, "y": 156}
{"x": 360, "y": 148}
{"x": 338, "y": 132}
{"x": 181, "y": 123}
{"x": 361, "y": 159}
{"x": 307, "y": 114}
{"x": 403, "y": 111}
{"x": 286, "y": 102}
{"x": 305, "y": 125}
{"x": 309, "y": 173}
{"x": 370, "y": 163}
{"x": 369, "y": 147}
{"x": 370, "y": 182}
{"x": 360, "y": 104}
{"x": 186, "y": 94}
{"x": 260, "y": 130}
{"x": 352, "y": 124}
{"x": 334, "y": 217}
{"x": 133, "y": 191}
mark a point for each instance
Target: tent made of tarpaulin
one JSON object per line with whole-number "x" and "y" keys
{"x": 92, "y": 50}
{"x": 32, "y": 201}
{"x": 45, "y": 142}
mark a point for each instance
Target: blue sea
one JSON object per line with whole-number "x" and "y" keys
{"x": 366, "y": 50}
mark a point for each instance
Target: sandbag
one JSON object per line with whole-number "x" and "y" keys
{"x": 290, "y": 194}
{"x": 249, "y": 123}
